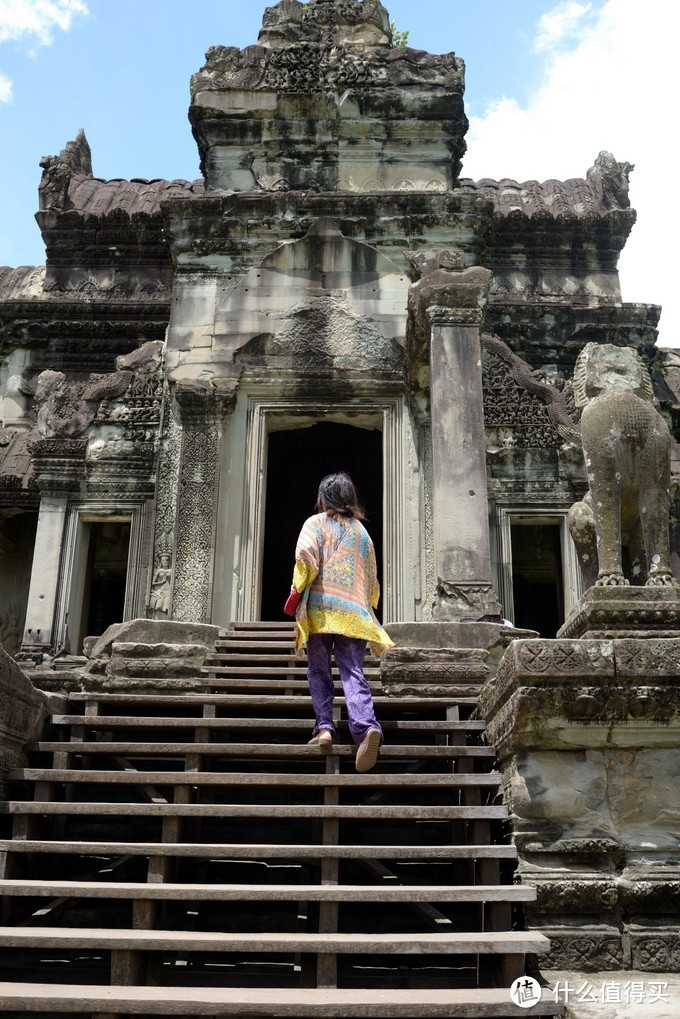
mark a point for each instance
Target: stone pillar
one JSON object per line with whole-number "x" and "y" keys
{"x": 59, "y": 466}
{"x": 587, "y": 735}
{"x": 203, "y": 407}
{"x": 460, "y": 501}
{"x": 447, "y": 307}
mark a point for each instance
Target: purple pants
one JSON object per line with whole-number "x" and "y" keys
{"x": 349, "y": 657}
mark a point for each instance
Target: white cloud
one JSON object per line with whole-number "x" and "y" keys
{"x": 36, "y": 20}
{"x": 5, "y": 89}
{"x": 610, "y": 89}
{"x": 560, "y": 24}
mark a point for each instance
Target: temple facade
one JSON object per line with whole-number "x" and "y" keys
{"x": 332, "y": 294}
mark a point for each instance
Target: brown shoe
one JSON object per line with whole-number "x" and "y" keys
{"x": 367, "y": 754}
{"x": 323, "y": 740}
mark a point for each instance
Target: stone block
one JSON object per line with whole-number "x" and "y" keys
{"x": 157, "y": 661}
{"x": 149, "y": 631}
{"x": 433, "y": 672}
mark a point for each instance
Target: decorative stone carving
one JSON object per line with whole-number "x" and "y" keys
{"x": 161, "y": 588}
{"x": 609, "y": 180}
{"x": 455, "y": 672}
{"x": 74, "y": 158}
{"x": 67, "y": 409}
{"x": 626, "y": 444}
{"x": 203, "y": 407}
{"x": 520, "y": 407}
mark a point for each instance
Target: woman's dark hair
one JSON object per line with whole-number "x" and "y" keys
{"x": 338, "y": 494}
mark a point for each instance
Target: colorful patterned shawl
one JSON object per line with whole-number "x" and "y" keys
{"x": 335, "y": 568}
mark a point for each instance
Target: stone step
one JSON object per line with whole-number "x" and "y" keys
{"x": 304, "y": 724}
{"x": 261, "y": 851}
{"x": 296, "y": 751}
{"x": 516, "y": 942}
{"x": 488, "y": 780}
{"x": 237, "y": 1002}
{"x": 292, "y": 892}
{"x": 271, "y": 812}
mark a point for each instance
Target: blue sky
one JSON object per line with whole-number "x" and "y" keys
{"x": 547, "y": 86}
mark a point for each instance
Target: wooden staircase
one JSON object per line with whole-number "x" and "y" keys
{"x": 186, "y": 855}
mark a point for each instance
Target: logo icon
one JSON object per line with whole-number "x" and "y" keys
{"x": 526, "y": 992}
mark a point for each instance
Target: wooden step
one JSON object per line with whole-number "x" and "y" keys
{"x": 446, "y": 780}
{"x": 308, "y": 1003}
{"x": 517, "y": 942}
{"x": 295, "y": 751}
{"x": 284, "y": 644}
{"x": 262, "y": 851}
{"x": 258, "y": 624}
{"x": 273, "y": 812}
{"x": 267, "y": 892}
{"x": 193, "y": 722}
{"x": 271, "y": 702}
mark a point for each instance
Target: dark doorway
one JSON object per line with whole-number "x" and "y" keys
{"x": 537, "y": 577}
{"x": 105, "y": 576}
{"x": 297, "y": 462}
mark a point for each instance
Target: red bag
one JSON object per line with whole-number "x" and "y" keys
{"x": 292, "y": 602}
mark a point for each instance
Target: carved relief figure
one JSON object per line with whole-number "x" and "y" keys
{"x": 67, "y": 409}
{"x": 161, "y": 586}
{"x": 626, "y": 444}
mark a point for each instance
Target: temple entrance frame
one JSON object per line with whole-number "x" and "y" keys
{"x": 74, "y": 556}
{"x": 513, "y": 514}
{"x": 240, "y": 545}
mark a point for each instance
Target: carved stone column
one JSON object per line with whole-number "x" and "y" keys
{"x": 203, "y": 407}
{"x": 447, "y": 306}
{"x": 59, "y": 467}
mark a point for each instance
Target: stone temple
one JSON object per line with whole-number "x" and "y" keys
{"x": 193, "y": 357}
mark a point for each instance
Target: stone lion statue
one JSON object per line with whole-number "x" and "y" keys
{"x": 626, "y": 444}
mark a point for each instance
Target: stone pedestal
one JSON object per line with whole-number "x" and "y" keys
{"x": 587, "y": 735}
{"x": 639, "y": 612}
